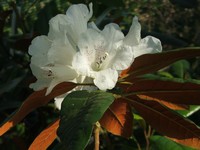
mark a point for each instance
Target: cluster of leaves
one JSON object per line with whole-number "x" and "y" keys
{"x": 153, "y": 97}
{"x": 162, "y": 100}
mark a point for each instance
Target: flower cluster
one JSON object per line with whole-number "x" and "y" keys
{"x": 75, "y": 50}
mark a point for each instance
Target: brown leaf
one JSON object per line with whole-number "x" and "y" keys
{"x": 167, "y": 122}
{"x": 149, "y": 63}
{"x": 167, "y": 104}
{"x": 124, "y": 73}
{"x": 35, "y": 100}
{"x": 169, "y": 91}
{"x": 46, "y": 137}
{"x": 118, "y": 119}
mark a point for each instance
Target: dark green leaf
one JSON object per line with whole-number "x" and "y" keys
{"x": 79, "y": 112}
{"x": 179, "y": 68}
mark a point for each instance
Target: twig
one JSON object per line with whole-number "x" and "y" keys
{"x": 137, "y": 143}
{"x": 147, "y": 135}
{"x": 97, "y": 127}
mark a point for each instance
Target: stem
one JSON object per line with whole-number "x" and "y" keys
{"x": 97, "y": 127}
{"x": 147, "y": 136}
{"x": 147, "y": 140}
{"x": 137, "y": 143}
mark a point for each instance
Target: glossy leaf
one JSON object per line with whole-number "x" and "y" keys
{"x": 46, "y": 137}
{"x": 180, "y": 92}
{"x": 80, "y": 110}
{"x": 149, "y": 63}
{"x": 168, "y": 104}
{"x": 158, "y": 142}
{"x": 35, "y": 100}
{"x": 118, "y": 119}
{"x": 167, "y": 122}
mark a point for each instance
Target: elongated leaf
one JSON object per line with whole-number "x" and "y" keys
{"x": 167, "y": 122}
{"x": 80, "y": 110}
{"x": 35, "y": 100}
{"x": 160, "y": 142}
{"x": 168, "y": 104}
{"x": 149, "y": 63}
{"x": 46, "y": 137}
{"x": 118, "y": 119}
{"x": 175, "y": 92}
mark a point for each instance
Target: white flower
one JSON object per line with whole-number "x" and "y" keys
{"x": 101, "y": 55}
{"x": 77, "y": 51}
{"x": 51, "y": 61}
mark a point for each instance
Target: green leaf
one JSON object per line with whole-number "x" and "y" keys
{"x": 79, "y": 112}
{"x": 180, "y": 67}
{"x": 139, "y": 120}
{"x": 187, "y": 113}
{"x": 160, "y": 142}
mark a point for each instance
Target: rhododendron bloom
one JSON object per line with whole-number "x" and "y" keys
{"x": 77, "y": 51}
{"x": 52, "y": 55}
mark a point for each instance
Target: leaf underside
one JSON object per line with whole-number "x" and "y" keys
{"x": 35, "y": 100}
{"x": 118, "y": 119}
{"x": 149, "y": 63}
{"x": 167, "y": 122}
{"x": 169, "y": 91}
{"x": 46, "y": 137}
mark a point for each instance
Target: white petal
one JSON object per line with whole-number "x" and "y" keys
{"x": 106, "y": 79}
{"x": 58, "y": 101}
{"x": 38, "y": 49}
{"x": 91, "y": 45}
{"x": 134, "y": 35}
{"x": 147, "y": 45}
{"x": 39, "y": 84}
{"x": 61, "y": 53}
{"x": 92, "y": 25}
{"x": 57, "y": 27}
{"x": 42, "y": 82}
{"x": 122, "y": 58}
{"x": 77, "y": 17}
{"x": 112, "y": 35}
{"x": 61, "y": 74}
{"x": 50, "y": 76}
{"x": 81, "y": 65}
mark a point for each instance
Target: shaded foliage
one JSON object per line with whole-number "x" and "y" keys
{"x": 174, "y": 22}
